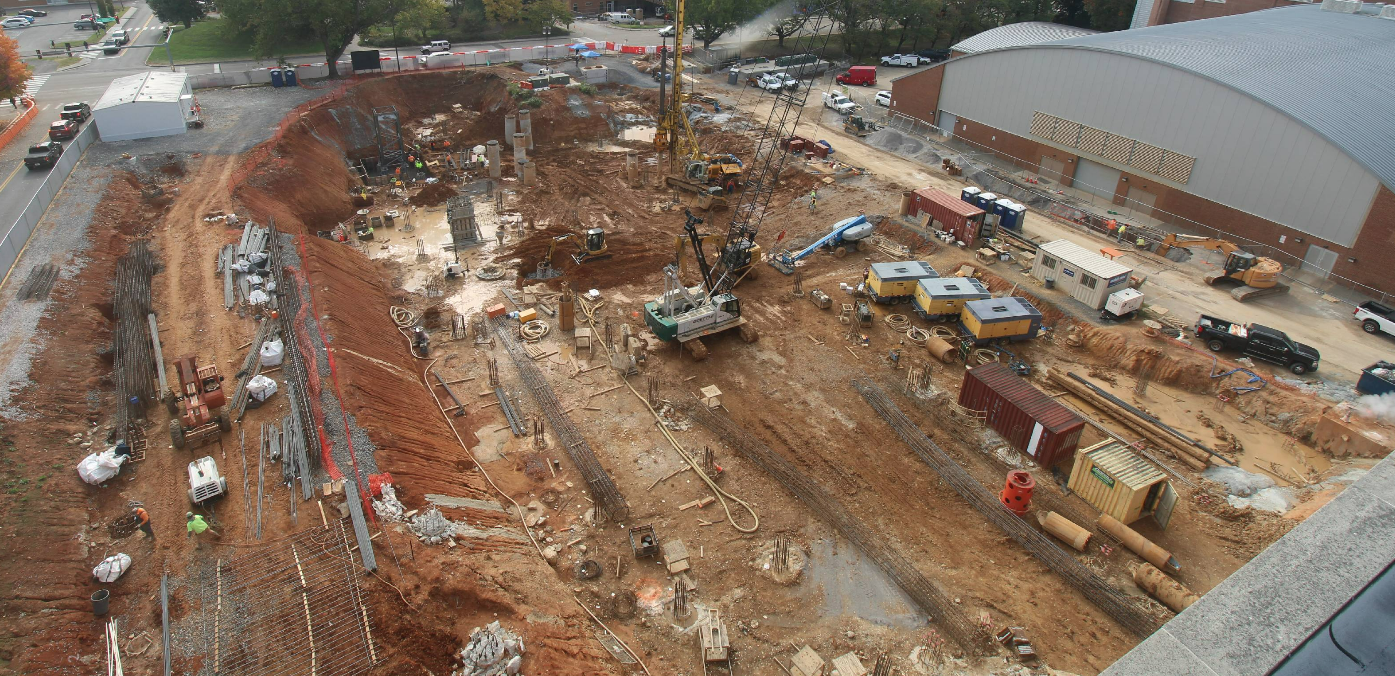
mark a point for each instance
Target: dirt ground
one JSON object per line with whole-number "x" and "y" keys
{"x": 520, "y": 497}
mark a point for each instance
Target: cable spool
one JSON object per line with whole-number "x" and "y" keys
{"x": 918, "y": 335}
{"x": 1017, "y": 492}
{"x": 984, "y": 356}
{"x": 942, "y": 332}
{"x": 898, "y": 323}
{"x": 534, "y": 330}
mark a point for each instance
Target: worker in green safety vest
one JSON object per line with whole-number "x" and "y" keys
{"x": 196, "y": 526}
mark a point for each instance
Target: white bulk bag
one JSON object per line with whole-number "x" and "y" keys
{"x": 98, "y": 468}
{"x": 112, "y": 567}
{"x": 261, "y": 387}
{"x": 273, "y": 351}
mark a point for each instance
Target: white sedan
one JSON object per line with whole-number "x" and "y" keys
{"x": 14, "y": 22}
{"x": 883, "y": 98}
{"x": 666, "y": 32}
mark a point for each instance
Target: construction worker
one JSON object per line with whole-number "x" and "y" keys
{"x": 1122, "y": 228}
{"x": 1141, "y": 243}
{"x": 143, "y": 521}
{"x": 813, "y": 199}
{"x": 196, "y": 526}
{"x": 894, "y": 357}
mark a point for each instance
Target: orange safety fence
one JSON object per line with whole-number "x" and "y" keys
{"x": 18, "y": 124}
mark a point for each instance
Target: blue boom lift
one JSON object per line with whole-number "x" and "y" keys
{"x": 855, "y": 229}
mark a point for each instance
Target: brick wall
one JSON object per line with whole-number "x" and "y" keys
{"x": 21, "y": 4}
{"x": 1177, "y": 12}
{"x": 918, "y": 95}
{"x": 1377, "y": 233}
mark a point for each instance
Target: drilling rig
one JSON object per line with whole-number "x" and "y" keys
{"x": 686, "y": 314}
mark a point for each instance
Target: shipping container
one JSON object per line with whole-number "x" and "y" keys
{"x": 997, "y": 319}
{"x": 1087, "y": 276}
{"x": 945, "y": 296}
{"x": 893, "y": 283}
{"x": 1021, "y": 414}
{"x": 965, "y": 221}
{"x": 1110, "y": 476}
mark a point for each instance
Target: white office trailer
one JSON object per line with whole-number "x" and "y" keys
{"x": 1087, "y": 276}
{"x": 146, "y": 105}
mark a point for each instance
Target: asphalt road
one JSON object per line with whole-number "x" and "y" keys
{"x": 51, "y": 90}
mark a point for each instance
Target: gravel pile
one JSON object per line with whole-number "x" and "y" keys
{"x": 492, "y": 650}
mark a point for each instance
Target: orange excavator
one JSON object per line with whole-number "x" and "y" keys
{"x": 1258, "y": 276}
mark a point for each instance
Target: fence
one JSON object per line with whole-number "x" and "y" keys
{"x": 1081, "y": 208}
{"x": 20, "y": 123}
{"x": 24, "y": 226}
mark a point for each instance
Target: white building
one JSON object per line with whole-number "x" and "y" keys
{"x": 1087, "y": 276}
{"x": 144, "y": 105}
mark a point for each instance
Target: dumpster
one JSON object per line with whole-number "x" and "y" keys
{"x": 1378, "y": 378}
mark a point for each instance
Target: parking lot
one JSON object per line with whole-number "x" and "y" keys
{"x": 48, "y": 32}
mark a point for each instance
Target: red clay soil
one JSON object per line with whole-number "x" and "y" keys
{"x": 46, "y": 622}
{"x": 433, "y": 195}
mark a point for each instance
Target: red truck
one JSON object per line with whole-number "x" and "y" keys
{"x": 859, "y": 75}
{"x": 963, "y": 220}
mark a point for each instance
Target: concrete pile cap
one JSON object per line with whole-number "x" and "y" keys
{"x": 432, "y": 526}
{"x": 491, "y": 651}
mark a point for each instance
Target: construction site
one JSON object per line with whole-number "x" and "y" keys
{"x": 627, "y": 382}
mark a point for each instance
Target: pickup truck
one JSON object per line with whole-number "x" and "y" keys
{"x": 774, "y": 82}
{"x": 838, "y": 102}
{"x": 43, "y": 155}
{"x": 1375, "y": 318}
{"x": 906, "y": 60}
{"x": 1259, "y": 342}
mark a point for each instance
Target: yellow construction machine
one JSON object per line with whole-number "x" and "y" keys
{"x": 592, "y": 248}
{"x": 717, "y": 242}
{"x": 1258, "y": 276}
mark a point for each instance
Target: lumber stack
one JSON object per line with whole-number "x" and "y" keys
{"x": 1191, "y": 456}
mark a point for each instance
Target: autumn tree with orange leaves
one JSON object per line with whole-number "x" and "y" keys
{"x": 13, "y": 72}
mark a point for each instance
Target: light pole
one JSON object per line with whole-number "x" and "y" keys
{"x": 547, "y": 48}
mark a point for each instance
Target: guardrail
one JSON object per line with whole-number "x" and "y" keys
{"x": 23, "y": 227}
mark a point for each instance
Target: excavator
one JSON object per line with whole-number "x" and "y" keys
{"x": 1258, "y": 276}
{"x": 592, "y": 248}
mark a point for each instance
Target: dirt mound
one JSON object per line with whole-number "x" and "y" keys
{"x": 433, "y": 195}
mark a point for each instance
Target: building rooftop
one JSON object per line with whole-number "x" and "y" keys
{"x": 1325, "y": 69}
{"x": 155, "y": 86}
{"x": 1085, "y": 259}
{"x": 1017, "y": 35}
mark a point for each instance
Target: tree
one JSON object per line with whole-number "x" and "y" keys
{"x": 503, "y": 11}
{"x": 422, "y": 16}
{"x": 788, "y": 27}
{"x": 177, "y": 11}
{"x": 13, "y": 72}
{"x": 539, "y": 13}
{"x": 1110, "y": 15}
{"x": 711, "y": 19}
{"x": 333, "y": 23}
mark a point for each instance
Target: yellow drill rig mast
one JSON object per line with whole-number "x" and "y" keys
{"x": 673, "y": 133}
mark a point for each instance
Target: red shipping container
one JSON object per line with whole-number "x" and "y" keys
{"x": 1024, "y": 416}
{"x": 956, "y": 216}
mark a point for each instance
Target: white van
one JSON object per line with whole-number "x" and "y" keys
{"x": 619, "y": 17}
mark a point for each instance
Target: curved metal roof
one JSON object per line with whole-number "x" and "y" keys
{"x": 1018, "y": 35}
{"x": 1330, "y": 71}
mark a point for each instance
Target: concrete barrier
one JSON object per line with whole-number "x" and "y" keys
{"x": 23, "y": 227}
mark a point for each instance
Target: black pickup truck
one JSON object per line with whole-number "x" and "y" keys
{"x": 43, "y": 155}
{"x": 1258, "y": 342}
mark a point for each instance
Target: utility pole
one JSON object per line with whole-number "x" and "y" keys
{"x": 547, "y": 47}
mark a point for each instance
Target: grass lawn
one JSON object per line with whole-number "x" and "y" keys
{"x": 208, "y": 41}
{"x": 65, "y": 61}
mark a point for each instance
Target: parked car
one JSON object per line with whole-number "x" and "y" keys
{"x": 1376, "y": 318}
{"x": 86, "y": 24}
{"x": 110, "y": 46}
{"x": 43, "y": 155}
{"x": 120, "y": 35}
{"x": 771, "y": 82}
{"x": 838, "y": 102}
{"x": 903, "y": 60}
{"x": 666, "y": 32}
{"x": 28, "y": 19}
{"x": 435, "y": 46}
{"x": 1259, "y": 342}
{"x": 31, "y": 12}
{"x": 78, "y": 112}
{"x": 859, "y": 75}
{"x": 62, "y": 130}
{"x": 433, "y": 56}
{"x": 883, "y": 98}
{"x": 14, "y": 22}
{"x": 933, "y": 55}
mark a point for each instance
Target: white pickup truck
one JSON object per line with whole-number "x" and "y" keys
{"x": 838, "y": 102}
{"x": 1375, "y": 318}
{"x": 905, "y": 60}
{"x": 774, "y": 82}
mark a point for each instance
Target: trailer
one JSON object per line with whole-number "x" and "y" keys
{"x": 894, "y": 283}
{"x": 1011, "y": 318}
{"x": 944, "y": 297}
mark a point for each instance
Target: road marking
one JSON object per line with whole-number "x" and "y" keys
{"x": 148, "y": 19}
{"x": 11, "y": 178}
{"x": 32, "y": 86}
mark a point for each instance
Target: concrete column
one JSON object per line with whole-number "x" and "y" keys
{"x": 525, "y": 125}
{"x": 528, "y": 172}
{"x": 491, "y": 155}
{"x": 632, "y": 168}
{"x": 520, "y": 147}
{"x": 509, "y": 127}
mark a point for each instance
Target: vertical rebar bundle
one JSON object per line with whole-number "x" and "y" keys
{"x": 1145, "y": 376}
{"x": 493, "y": 372}
{"x": 133, "y": 353}
{"x": 680, "y": 601}
{"x": 539, "y": 434}
{"x": 781, "y": 559}
{"x": 798, "y": 284}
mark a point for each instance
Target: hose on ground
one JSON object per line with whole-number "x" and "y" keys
{"x": 898, "y": 323}
{"x": 918, "y": 335}
{"x": 942, "y": 332}
{"x": 533, "y": 331}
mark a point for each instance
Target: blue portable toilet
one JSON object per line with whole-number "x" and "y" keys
{"x": 970, "y": 195}
{"x": 290, "y": 77}
{"x": 985, "y": 200}
{"x": 1014, "y": 215}
{"x": 277, "y": 80}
